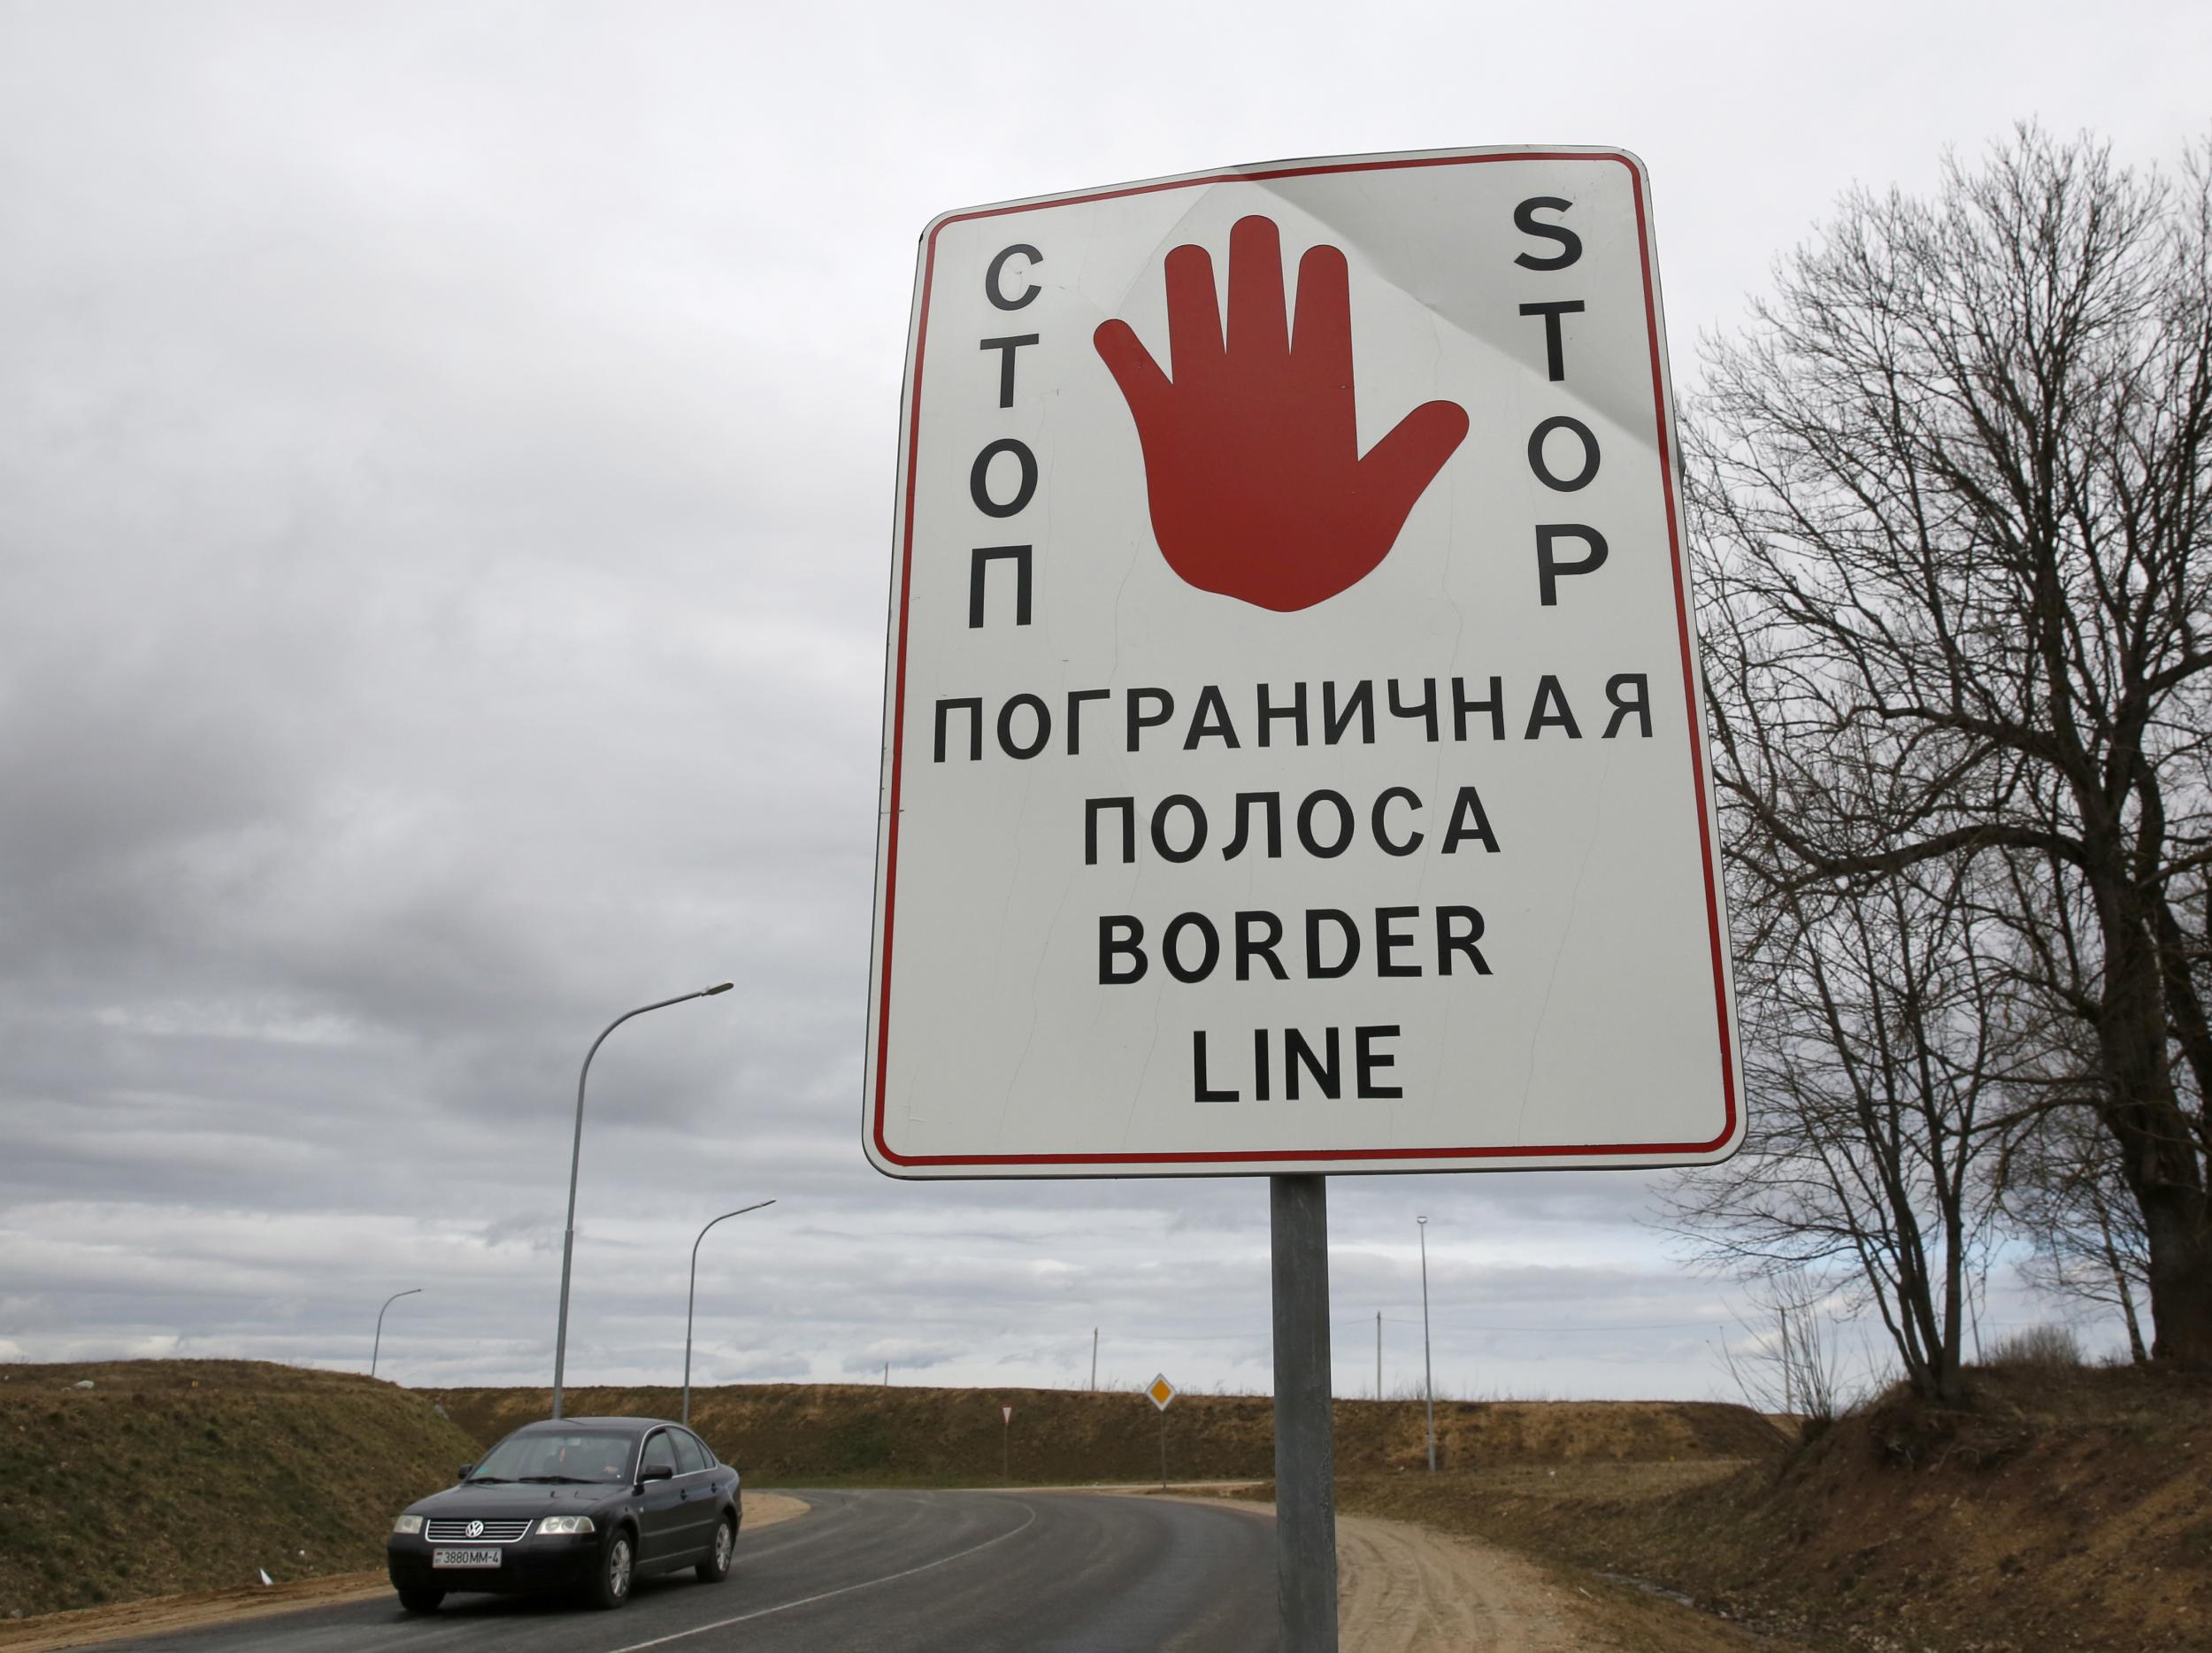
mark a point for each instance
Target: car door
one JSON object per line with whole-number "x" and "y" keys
{"x": 694, "y": 1478}
{"x": 661, "y": 1514}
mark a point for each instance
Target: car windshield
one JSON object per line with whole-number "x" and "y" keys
{"x": 558, "y": 1455}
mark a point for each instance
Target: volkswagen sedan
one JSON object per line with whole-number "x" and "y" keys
{"x": 584, "y": 1504}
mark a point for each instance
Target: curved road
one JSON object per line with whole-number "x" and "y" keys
{"x": 887, "y": 1572}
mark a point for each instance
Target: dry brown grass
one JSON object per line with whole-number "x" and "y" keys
{"x": 182, "y": 1475}
{"x": 868, "y": 1434}
{"x": 2063, "y": 1510}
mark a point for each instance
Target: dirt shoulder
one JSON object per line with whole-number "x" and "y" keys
{"x": 2059, "y": 1509}
{"x": 160, "y": 1614}
{"x": 1403, "y": 1588}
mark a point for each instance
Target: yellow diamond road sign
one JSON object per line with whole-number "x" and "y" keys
{"x": 1161, "y": 1391}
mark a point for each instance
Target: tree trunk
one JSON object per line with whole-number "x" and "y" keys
{"x": 2137, "y": 1352}
{"x": 2144, "y": 1112}
{"x": 2180, "y": 1273}
{"x": 1949, "y": 1386}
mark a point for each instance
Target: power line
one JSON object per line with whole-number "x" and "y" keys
{"x": 1368, "y": 1320}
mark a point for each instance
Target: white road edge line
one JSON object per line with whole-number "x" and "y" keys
{"x": 809, "y": 1601}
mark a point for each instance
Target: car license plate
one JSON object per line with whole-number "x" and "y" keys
{"x": 464, "y": 1558}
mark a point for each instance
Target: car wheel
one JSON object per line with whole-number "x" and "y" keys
{"x": 616, "y": 1567}
{"x": 716, "y": 1567}
{"x": 421, "y": 1601}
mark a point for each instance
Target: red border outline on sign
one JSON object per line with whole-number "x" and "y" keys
{"x": 1587, "y": 1150}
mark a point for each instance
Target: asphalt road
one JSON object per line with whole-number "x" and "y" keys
{"x": 885, "y": 1571}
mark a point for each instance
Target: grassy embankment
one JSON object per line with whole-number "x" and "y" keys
{"x": 789, "y": 1434}
{"x": 2065, "y": 1509}
{"x": 175, "y": 1475}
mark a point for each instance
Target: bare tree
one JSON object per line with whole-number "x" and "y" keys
{"x": 1876, "y": 1044}
{"x": 1793, "y": 1369}
{"x": 1952, "y": 493}
{"x": 2060, "y": 1188}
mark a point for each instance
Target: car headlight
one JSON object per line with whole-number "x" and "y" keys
{"x": 408, "y": 1524}
{"x": 553, "y": 1526}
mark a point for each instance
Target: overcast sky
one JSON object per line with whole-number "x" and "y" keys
{"x": 446, "y": 474}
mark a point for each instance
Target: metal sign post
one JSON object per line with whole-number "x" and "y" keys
{"x": 1305, "y": 1432}
{"x": 1006, "y": 1446}
{"x": 1160, "y": 1392}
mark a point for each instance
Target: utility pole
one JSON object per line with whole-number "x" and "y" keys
{"x": 1428, "y": 1367}
{"x": 1789, "y": 1402}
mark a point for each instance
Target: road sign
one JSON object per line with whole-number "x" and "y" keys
{"x": 1006, "y": 1415}
{"x": 1161, "y": 1392}
{"x": 1293, "y": 753}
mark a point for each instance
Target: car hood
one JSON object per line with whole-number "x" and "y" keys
{"x": 517, "y": 1498}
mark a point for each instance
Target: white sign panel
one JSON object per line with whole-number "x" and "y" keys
{"x": 1293, "y": 754}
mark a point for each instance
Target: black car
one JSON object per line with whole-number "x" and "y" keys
{"x": 584, "y": 1504}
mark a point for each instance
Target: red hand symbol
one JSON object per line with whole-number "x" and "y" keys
{"x": 1250, "y": 454}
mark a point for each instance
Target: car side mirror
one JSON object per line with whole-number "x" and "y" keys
{"x": 657, "y": 1472}
{"x": 467, "y": 1470}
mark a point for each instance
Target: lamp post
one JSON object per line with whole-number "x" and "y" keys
{"x": 377, "y": 1347}
{"x": 693, "y": 1296}
{"x": 1428, "y": 1368}
{"x": 575, "y": 1160}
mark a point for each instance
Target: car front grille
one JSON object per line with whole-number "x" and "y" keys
{"x": 457, "y": 1532}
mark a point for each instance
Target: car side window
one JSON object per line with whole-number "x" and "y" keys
{"x": 659, "y": 1449}
{"x": 690, "y": 1456}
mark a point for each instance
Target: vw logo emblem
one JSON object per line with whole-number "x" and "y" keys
{"x": 476, "y": 1529}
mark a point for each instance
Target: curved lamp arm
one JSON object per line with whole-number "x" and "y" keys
{"x": 377, "y": 1347}
{"x": 575, "y": 1162}
{"x": 691, "y": 1296}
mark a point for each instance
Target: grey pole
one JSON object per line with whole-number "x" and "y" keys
{"x": 1378, "y": 1354}
{"x": 1789, "y": 1395}
{"x": 1305, "y": 1435}
{"x": 377, "y": 1347}
{"x": 1428, "y": 1368}
{"x": 1094, "y": 1359}
{"x": 692, "y": 1296}
{"x": 575, "y": 1160}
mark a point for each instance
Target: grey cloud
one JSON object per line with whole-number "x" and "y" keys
{"x": 445, "y": 492}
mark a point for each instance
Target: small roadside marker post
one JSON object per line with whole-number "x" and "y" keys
{"x": 1161, "y": 1393}
{"x": 1006, "y": 1446}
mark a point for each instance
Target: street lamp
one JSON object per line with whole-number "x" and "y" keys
{"x": 693, "y": 1296}
{"x": 575, "y": 1160}
{"x": 1428, "y": 1368}
{"x": 377, "y": 1347}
